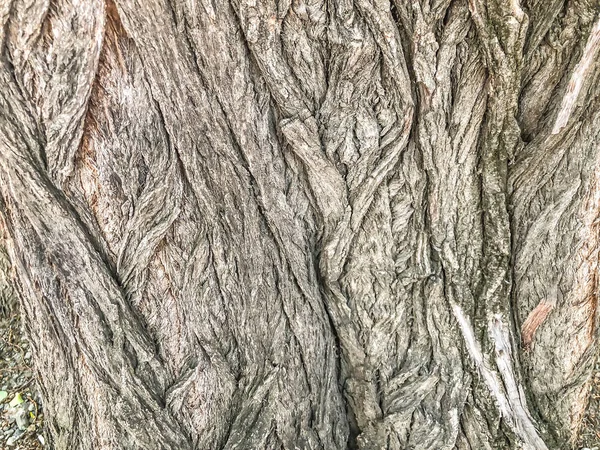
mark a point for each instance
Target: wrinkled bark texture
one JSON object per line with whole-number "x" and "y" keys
{"x": 304, "y": 224}
{"x": 8, "y": 296}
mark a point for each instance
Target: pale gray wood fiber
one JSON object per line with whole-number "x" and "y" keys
{"x": 304, "y": 224}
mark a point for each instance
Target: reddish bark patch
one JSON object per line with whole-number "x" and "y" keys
{"x": 111, "y": 57}
{"x": 534, "y": 320}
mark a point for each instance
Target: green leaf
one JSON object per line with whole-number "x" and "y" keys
{"x": 16, "y": 401}
{"x": 3, "y": 395}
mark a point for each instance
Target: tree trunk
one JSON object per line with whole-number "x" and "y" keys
{"x": 8, "y": 298}
{"x": 307, "y": 224}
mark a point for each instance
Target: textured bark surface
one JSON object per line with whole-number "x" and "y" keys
{"x": 305, "y": 224}
{"x": 8, "y": 296}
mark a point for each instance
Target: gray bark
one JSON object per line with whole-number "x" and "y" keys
{"x": 8, "y": 296}
{"x": 310, "y": 224}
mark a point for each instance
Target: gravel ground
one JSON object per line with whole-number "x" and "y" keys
{"x": 21, "y": 417}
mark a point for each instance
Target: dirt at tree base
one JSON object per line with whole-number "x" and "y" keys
{"x": 21, "y": 416}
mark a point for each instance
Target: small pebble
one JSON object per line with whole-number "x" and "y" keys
{"x": 14, "y": 438}
{"x": 22, "y": 418}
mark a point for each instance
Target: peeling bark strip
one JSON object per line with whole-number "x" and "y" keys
{"x": 504, "y": 387}
{"x": 304, "y": 224}
{"x": 578, "y": 77}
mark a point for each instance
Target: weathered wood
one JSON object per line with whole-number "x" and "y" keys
{"x": 304, "y": 224}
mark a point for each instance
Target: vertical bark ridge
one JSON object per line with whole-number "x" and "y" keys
{"x": 501, "y": 27}
{"x": 447, "y": 138}
{"x": 54, "y": 64}
{"x": 365, "y": 174}
{"x": 261, "y": 25}
{"x": 274, "y": 288}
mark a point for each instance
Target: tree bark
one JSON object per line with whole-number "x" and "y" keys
{"x": 305, "y": 224}
{"x": 8, "y": 296}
